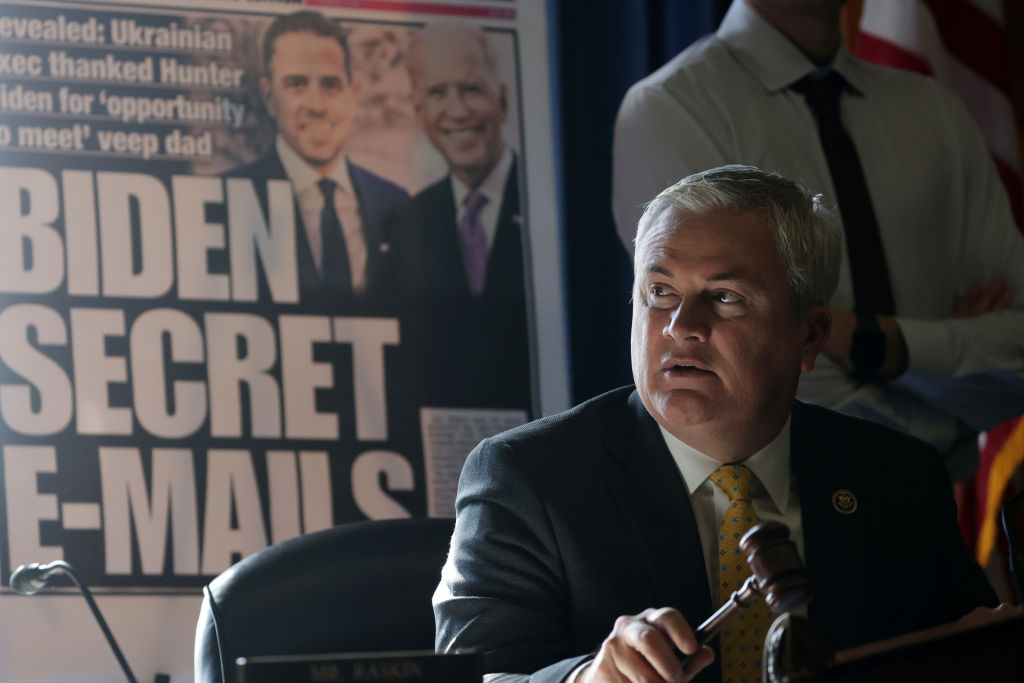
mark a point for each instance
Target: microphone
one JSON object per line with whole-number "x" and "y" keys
{"x": 29, "y": 579}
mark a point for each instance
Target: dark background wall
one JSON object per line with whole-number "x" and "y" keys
{"x": 604, "y": 47}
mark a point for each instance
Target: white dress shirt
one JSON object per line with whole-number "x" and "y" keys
{"x": 311, "y": 203}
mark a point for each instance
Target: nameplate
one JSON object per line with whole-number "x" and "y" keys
{"x": 364, "y": 667}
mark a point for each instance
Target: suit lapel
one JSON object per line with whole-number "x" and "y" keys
{"x": 446, "y": 242}
{"x": 835, "y": 543}
{"x": 370, "y": 215}
{"x": 369, "y": 209}
{"x": 648, "y": 489}
{"x": 505, "y": 261}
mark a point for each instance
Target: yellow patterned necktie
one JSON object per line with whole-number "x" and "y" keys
{"x": 742, "y": 637}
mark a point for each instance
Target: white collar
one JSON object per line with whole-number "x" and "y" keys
{"x": 770, "y": 465}
{"x": 304, "y": 176}
{"x": 770, "y": 56}
{"x": 493, "y": 185}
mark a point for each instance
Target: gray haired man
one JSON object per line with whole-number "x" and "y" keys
{"x": 589, "y": 544}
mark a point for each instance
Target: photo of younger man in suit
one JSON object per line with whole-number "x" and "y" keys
{"x": 308, "y": 90}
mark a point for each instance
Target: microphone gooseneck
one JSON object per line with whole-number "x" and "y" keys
{"x": 29, "y": 579}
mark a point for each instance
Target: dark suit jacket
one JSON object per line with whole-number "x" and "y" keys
{"x": 376, "y": 197}
{"x": 571, "y": 521}
{"x": 487, "y": 337}
{"x": 427, "y": 253}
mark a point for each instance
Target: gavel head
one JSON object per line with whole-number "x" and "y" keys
{"x": 780, "y": 574}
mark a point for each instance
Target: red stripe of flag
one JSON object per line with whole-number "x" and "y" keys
{"x": 971, "y": 518}
{"x": 975, "y": 38}
{"x": 880, "y": 51}
{"x": 873, "y": 49}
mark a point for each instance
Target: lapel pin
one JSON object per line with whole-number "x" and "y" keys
{"x": 844, "y": 502}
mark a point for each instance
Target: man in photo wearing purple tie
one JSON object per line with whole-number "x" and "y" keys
{"x": 458, "y": 245}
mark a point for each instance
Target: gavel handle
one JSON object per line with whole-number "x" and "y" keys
{"x": 742, "y": 598}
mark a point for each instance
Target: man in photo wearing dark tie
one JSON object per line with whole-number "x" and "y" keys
{"x": 308, "y": 90}
{"x": 589, "y": 545}
{"x": 458, "y": 245}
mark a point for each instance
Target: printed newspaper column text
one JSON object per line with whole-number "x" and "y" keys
{"x": 112, "y": 85}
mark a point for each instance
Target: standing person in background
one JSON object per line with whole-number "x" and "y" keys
{"x": 928, "y": 320}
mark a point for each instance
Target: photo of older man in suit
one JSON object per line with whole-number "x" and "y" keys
{"x": 461, "y": 235}
{"x": 458, "y": 245}
{"x": 308, "y": 90}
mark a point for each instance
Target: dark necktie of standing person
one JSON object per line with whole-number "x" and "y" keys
{"x": 473, "y": 241}
{"x": 742, "y": 637}
{"x": 872, "y": 290}
{"x": 335, "y": 270}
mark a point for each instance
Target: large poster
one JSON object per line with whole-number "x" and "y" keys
{"x": 264, "y": 269}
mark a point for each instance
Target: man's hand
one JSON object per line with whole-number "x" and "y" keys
{"x": 641, "y": 648}
{"x": 840, "y": 338}
{"x": 981, "y": 299}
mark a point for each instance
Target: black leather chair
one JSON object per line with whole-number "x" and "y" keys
{"x": 359, "y": 587}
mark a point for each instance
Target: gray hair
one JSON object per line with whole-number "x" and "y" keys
{"x": 807, "y": 235}
{"x": 445, "y": 32}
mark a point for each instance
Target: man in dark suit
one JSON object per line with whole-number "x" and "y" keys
{"x": 458, "y": 245}
{"x": 308, "y": 90}
{"x": 628, "y": 503}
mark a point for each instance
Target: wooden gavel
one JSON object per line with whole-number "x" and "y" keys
{"x": 777, "y": 574}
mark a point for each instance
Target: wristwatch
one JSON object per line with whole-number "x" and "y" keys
{"x": 867, "y": 348}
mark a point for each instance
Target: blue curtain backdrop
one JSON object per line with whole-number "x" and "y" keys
{"x": 603, "y": 47}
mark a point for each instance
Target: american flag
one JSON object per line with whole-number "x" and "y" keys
{"x": 962, "y": 43}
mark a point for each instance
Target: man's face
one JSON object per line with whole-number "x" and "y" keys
{"x": 309, "y": 96}
{"x": 717, "y": 348}
{"x": 460, "y": 106}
